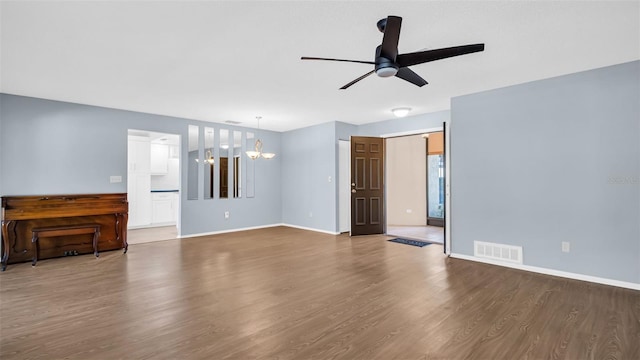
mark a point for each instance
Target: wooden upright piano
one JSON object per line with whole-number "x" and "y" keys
{"x": 24, "y": 217}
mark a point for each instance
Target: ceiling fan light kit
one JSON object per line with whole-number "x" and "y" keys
{"x": 387, "y": 71}
{"x": 389, "y": 63}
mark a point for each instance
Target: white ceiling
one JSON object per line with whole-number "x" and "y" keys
{"x": 220, "y": 61}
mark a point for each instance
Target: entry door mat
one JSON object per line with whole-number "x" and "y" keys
{"x": 410, "y": 242}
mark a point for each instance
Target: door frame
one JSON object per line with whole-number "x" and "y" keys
{"x": 447, "y": 180}
{"x": 344, "y": 186}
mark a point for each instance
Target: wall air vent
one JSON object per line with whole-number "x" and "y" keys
{"x": 499, "y": 252}
{"x": 233, "y": 122}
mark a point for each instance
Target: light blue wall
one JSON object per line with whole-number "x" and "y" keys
{"x": 550, "y": 161}
{"x": 344, "y": 131}
{"x": 51, "y": 147}
{"x": 409, "y": 123}
{"x": 309, "y": 157}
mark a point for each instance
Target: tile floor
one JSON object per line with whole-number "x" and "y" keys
{"x": 139, "y": 236}
{"x": 434, "y": 234}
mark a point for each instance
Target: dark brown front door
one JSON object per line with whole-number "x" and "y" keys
{"x": 367, "y": 185}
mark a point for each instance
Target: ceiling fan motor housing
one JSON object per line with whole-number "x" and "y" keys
{"x": 382, "y": 24}
{"x": 385, "y": 67}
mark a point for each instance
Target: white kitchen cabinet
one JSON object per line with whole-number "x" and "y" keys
{"x": 139, "y": 181}
{"x": 174, "y": 152}
{"x": 163, "y": 208}
{"x": 159, "y": 159}
{"x": 175, "y": 204}
{"x": 139, "y": 154}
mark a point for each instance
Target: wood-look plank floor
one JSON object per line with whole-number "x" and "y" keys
{"x": 283, "y": 293}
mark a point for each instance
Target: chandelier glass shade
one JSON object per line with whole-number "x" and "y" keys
{"x": 257, "y": 150}
{"x": 209, "y": 158}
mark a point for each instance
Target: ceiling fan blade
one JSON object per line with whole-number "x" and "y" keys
{"x": 342, "y": 60}
{"x": 410, "y": 76}
{"x": 420, "y": 57}
{"x": 356, "y": 80}
{"x": 389, "y": 48}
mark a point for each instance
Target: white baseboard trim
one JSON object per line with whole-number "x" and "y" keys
{"x": 311, "y": 229}
{"x": 564, "y": 274}
{"x": 256, "y": 228}
{"x": 151, "y": 226}
{"x": 230, "y": 231}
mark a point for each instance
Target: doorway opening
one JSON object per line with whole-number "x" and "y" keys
{"x": 415, "y": 186}
{"x": 153, "y": 186}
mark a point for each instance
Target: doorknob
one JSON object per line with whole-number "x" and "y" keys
{"x": 353, "y": 191}
{"x": 353, "y": 184}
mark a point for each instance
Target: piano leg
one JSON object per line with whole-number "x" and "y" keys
{"x": 121, "y": 230}
{"x": 5, "y": 244}
{"x": 96, "y": 237}
{"x": 34, "y": 244}
{"x": 125, "y": 220}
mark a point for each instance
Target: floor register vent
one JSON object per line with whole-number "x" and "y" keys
{"x": 500, "y": 252}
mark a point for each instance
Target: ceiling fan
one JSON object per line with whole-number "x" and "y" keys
{"x": 389, "y": 63}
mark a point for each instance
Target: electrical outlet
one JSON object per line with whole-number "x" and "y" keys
{"x": 329, "y": 179}
{"x": 226, "y": 214}
{"x": 310, "y": 214}
{"x": 115, "y": 179}
{"x": 409, "y": 211}
{"x": 566, "y": 246}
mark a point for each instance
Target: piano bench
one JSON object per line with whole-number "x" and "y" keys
{"x": 64, "y": 231}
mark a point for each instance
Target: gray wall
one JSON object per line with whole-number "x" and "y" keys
{"x": 550, "y": 161}
{"x": 51, "y": 147}
{"x": 309, "y": 158}
{"x": 409, "y": 123}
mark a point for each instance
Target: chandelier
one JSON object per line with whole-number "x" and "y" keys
{"x": 257, "y": 151}
{"x": 209, "y": 158}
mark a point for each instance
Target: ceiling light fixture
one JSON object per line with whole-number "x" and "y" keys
{"x": 257, "y": 152}
{"x": 401, "y": 111}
